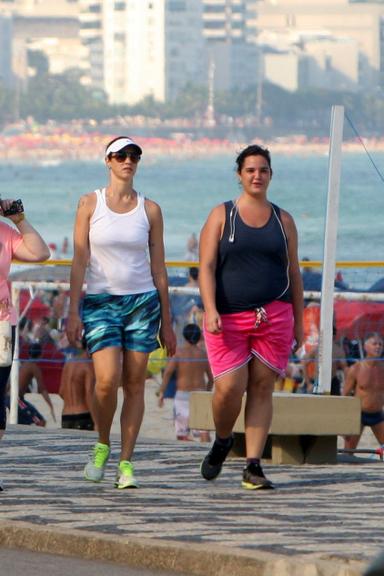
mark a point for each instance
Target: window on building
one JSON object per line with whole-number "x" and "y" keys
{"x": 119, "y": 6}
{"x": 89, "y": 41}
{"x": 94, "y": 8}
{"x": 90, "y": 25}
{"x": 119, "y": 37}
{"x": 214, "y": 9}
{"x": 213, "y": 25}
{"x": 177, "y": 6}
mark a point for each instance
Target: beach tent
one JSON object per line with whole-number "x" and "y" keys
{"x": 356, "y": 319}
{"x": 353, "y": 320}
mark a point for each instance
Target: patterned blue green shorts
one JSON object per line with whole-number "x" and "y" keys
{"x": 130, "y": 322}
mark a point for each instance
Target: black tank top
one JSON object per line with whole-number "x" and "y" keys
{"x": 252, "y": 270}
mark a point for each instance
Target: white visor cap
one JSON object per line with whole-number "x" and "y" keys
{"x": 121, "y": 143}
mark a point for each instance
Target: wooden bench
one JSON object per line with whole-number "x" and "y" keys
{"x": 304, "y": 427}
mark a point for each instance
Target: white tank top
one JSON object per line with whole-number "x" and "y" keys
{"x": 119, "y": 262}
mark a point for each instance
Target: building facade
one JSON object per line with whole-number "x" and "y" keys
{"x": 6, "y": 73}
{"x": 350, "y": 24}
{"x": 141, "y": 48}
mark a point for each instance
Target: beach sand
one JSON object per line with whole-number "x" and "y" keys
{"x": 158, "y": 422}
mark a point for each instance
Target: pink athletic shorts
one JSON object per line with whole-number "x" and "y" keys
{"x": 241, "y": 338}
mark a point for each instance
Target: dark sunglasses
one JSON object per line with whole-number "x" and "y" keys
{"x": 122, "y": 156}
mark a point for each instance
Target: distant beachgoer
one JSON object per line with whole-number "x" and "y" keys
{"x": 59, "y": 307}
{"x": 312, "y": 279}
{"x": 251, "y": 288}
{"x": 126, "y": 301}
{"x": 365, "y": 379}
{"x": 339, "y": 366}
{"x": 53, "y": 250}
{"x": 65, "y": 246}
{"x": 23, "y": 244}
{"x": 76, "y": 390}
{"x": 187, "y": 308}
{"x": 30, "y": 372}
{"x": 192, "y": 253}
{"x": 192, "y": 373}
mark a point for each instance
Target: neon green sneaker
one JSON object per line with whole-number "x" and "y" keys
{"x": 125, "y": 475}
{"x": 94, "y": 470}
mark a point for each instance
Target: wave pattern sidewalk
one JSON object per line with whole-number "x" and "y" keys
{"x": 318, "y": 513}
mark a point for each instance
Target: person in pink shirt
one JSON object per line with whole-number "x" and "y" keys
{"x": 24, "y": 243}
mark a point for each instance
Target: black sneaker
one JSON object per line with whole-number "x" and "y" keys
{"x": 213, "y": 462}
{"x": 254, "y": 479}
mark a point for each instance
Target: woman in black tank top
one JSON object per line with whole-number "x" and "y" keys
{"x": 252, "y": 293}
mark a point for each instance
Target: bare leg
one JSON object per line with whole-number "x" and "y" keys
{"x": 205, "y": 436}
{"x": 133, "y": 381}
{"x": 351, "y": 442}
{"x": 107, "y": 364}
{"x": 227, "y": 396}
{"x": 258, "y": 408}
{"x": 378, "y": 431}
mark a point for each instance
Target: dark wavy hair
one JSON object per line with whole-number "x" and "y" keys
{"x": 192, "y": 333}
{"x": 253, "y": 150}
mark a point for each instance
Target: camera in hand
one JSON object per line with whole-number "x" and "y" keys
{"x": 15, "y": 208}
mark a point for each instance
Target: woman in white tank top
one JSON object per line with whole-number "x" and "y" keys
{"x": 118, "y": 242}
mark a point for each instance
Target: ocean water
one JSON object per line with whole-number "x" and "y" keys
{"x": 188, "y": 188}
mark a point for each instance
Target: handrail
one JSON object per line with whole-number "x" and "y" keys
{"x": 189, "y": 264}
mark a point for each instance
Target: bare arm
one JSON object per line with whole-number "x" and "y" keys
{"x": 85, "y": 210}
{"x": 294, "y": 278}
{"x": 209, "y": 377}
{"x": 32, "y": 248}
{"x": 209, "y": 243}
{"x": 159, "y": 274}
{"x": 167, "y": 375}
{"x": 38, "y": 375}
{"x": 350, "y": 380}
{"x": 309, "y": 358}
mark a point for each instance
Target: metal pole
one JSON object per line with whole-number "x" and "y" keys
{"x": 329, "y": 259}
{"x": 15, "y": 364}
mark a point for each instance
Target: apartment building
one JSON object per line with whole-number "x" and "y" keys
{"x": 350, "y": 24}
{"x": 224, "y": 20}
{"x": 236, "y": 62}
{"x": 141, "y": 48}
{"x": 51, "y": 27}
{"x": 6, "y": 74}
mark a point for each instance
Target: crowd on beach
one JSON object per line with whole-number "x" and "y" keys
{"x": 80, "y": 140}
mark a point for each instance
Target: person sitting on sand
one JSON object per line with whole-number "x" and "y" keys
{"x": 29, "y": 371}
{"x": 76, "y": 389}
